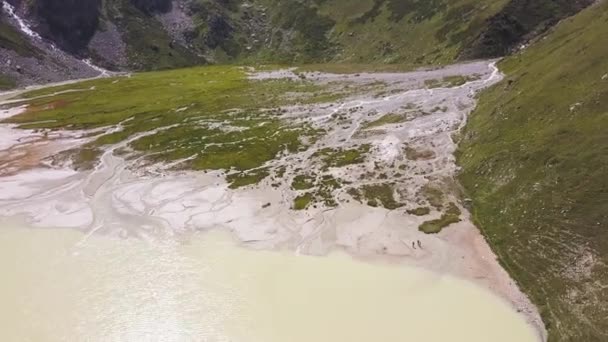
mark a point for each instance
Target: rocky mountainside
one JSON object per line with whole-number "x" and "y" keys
{"x": 160, "y": 34}
{"x": 26, "y": 58}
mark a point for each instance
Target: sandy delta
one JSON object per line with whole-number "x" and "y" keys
{"x": 156, "y": 203}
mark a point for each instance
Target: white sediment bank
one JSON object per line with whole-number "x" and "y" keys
{"x": 158, "y": 205}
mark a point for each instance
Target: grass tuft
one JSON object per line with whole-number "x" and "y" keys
{"x": 342, "y": 157}
{"x": 303, "y": 201}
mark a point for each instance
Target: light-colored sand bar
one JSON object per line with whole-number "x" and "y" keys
{"x": 60, "y": 286}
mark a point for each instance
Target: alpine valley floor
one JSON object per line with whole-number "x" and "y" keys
{"x": 282, "y": 159}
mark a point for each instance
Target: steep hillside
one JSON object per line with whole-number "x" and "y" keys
{"x": 161, "y": 34}
{"x": 535, "y": 163}
{"x": 145, "y": 42}
{"x": 12, "y": 39}
{"x": 413, "y": 32}
{"x": 69, "y": 24}
{"x": 517, "y": 23}
{"x": 26, "y": 59}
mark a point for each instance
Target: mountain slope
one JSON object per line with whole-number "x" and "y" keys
{"x": 517, "y": 23}
{"x": 413, "y": 32}
{"x": 161, "y": 34}
{"x": 535, "y": 160}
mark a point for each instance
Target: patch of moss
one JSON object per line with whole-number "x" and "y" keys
{"x": 303, "y": 182}
{"x": 342, "y": 157}
{"x": 242, "y": 179}
{"x": 386, "y": 120}
{"x": 433, "y": 195}
{"x": 355, "y": 194}
{"x": 326, "y": 189}
{"x": 303, "y": 201}
{"x": 84, "y": 158}
{"x": 451, "y": 216}
{"x": 420, "y": 211}
{"x": 280, "y": 171}
{"x": 381, "y": 194}
{"x": 453, "y": 209}
{"x": 330, "y": 182}
{"x": 450, "y": 81}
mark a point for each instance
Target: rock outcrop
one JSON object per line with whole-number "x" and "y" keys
{"x": 70, "y": 24}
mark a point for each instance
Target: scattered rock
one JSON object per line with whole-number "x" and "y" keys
{"x": 575, "y": 106}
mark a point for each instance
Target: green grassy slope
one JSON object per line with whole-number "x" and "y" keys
{"x": 535, "y": 162}
{"x": 372, "y": 31}
{"x": 411, "y": 32}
